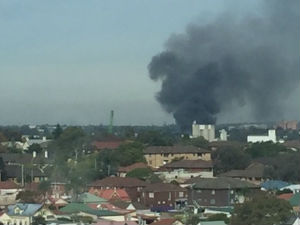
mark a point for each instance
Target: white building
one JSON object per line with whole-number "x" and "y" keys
{"x": 263, "y": 138}
{"x": 207, "y": 131}
{"x": 223, "y": 135}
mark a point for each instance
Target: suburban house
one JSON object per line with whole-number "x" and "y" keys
{"x": 106, "y": 222}
{"x": 111, "y": 142}
{"x": 56, "y": 203}
{"x": 122, "y": 171}
{"x": 22, "y": 214}
{"x": 89, "y": 198}
{"x": 273, "y": 185}
{"x": 132, "y": 186}
{"x": 294, "y": 220}
{"x": 169, "y": 221}
{"x": 163, "y": 196}
{"x": 157, "y": 156}
{"x": 81, "y": 209}
{"x": 113, "y": 194}
{"x": 8, "y": 192}
{"x": 182, "y": 170}
{"x": 15, "y": 173}
{"x": 218, "y": 192}
{"x": 254, "y": 173}
{"x": 295, "y": 188}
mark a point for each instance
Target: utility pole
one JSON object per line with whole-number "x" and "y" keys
{"x": 22, "y": 171}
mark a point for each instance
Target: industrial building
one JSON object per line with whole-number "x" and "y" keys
{"x": 207, "y": 131}
{"x": 263, "y": 138}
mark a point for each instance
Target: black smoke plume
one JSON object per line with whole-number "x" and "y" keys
{"x": 231, "y": 61}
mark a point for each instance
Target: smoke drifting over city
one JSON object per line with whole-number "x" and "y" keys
{"x": 252, "y": 61}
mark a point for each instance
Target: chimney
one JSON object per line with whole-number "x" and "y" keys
{"x": 34, "y": 154}
{"x": 46, "y": 154}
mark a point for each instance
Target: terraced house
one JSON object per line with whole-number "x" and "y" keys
{"x": 157, "y": 156}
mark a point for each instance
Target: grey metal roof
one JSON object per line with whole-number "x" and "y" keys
{"x": 219, "y": 183}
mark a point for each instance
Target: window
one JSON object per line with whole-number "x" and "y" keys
{"x": 212, "y": 201}
{"x": 181, "y": 194}
{"x": 170, "y": 196}
{"x": 213, "y": 192}
{"x": 199, "y": 154}
{"x": 166, "y": 154}
{"x": 150, "y": 162}
{"x": 151, "y": 195}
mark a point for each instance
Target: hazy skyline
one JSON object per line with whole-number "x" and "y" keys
{"x": 71, "y": 62}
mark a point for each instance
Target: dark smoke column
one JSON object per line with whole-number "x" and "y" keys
{"x": 229, "y": 62}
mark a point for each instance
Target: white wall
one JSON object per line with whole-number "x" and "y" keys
{"x": 263, "y": 138}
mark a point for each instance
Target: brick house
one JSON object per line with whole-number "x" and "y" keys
{"x": 163, "y": 196}
{"x": 254, "y": 173}
{"x": 182, "y": 170}
{"x": 219, "y": 191}
{"x": 157, "y": 156}
{"x": 132, "y": 186}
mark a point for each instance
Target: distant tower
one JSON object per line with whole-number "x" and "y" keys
{"x": 110, "y": 128}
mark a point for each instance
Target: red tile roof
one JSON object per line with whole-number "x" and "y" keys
{"x": 101, "y": 145}
{"x": 32, "y": 186}
{"x": 113, "y": 194}
{"x": 164, "y": 222}
{"x": 8, "y": 185}
{"x": 137, "y": 165}
{"x": 285, "y": 196}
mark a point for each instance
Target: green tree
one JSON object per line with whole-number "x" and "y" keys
{"x": 262, "y": 210}
{"x": 3, "y": 171}
{"x": 226, "y": 159}
{"x": 265, "y": 149}
{"x": 155, "y": 138}
{"x": 197, "y": 142}
{"x": 219, "y": 217}
{"x": 39, "y": 220}
{"x": 28, "y": 197}
{"x": 44, "y": 186}
{"x": 283, "y": 167}
{"x": 57, "y": 132}
{"x": 140, "y": 173}
{"x": 35, "y": 148}
{"x": 192, "y": 219}
{"x": 130, "y": 153}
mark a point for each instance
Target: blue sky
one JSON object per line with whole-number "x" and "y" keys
{"x": 73, "y": 61}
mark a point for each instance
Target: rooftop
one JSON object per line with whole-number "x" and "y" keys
{"x": 219, "y": 183}
{"x": 177, "y": 149}
{"x": 120, "y": 182}
{"x": 8, "y": 185}
{"x": 253, "y": 170}
{"x": 131, "y": 167}
{"x": 80, "y": 207}
{"x": 188, "y": 164}
{"x": 23, "y": 209}
{"x": 161, "y": 187}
